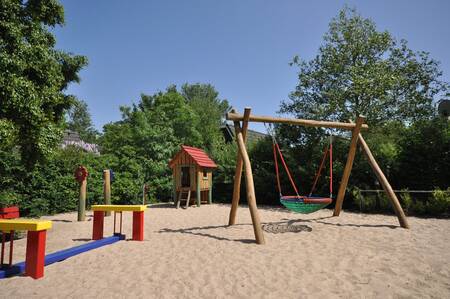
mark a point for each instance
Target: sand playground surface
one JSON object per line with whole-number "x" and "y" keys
{"x": 193, "y": 254}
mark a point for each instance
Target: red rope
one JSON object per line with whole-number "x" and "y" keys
{"x": 275, "y": 158}
{"x": 276, "y": 148}
{"x": 287, "y": 169}
{"x": 319, "y": 171}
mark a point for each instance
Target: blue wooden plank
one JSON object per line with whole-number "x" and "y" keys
{"x": 15, "y": 269}
{"x": 61, "y": 255}
{"x": 66, "y": 253}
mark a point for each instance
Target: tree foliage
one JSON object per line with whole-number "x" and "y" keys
{"x": 79, "y": 120}
{"x": 362, "y": 71}
{"x": 204, "y": 101}
{"x": 424, "y": 159}
{"x": 34, "y": 76}
{"x": 152, "y": 130}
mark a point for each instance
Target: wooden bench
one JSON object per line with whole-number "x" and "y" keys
{"x": 138, "y": 219}
{"x": 36, "y": 237}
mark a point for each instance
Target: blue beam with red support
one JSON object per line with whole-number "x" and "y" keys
{"x": 61, "y": 255}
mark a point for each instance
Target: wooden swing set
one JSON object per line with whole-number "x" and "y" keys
{"x": 243, "y": 160}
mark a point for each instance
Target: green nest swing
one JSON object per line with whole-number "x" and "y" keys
{"x": 298, "y": 203}
{"x": 304, "y": 204}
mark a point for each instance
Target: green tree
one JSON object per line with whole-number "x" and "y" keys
{"x": 170, "y": 109}
{"x": 424, "y": 159}
{"x": 34, "y": 76}
{"x": 205, "y": 102}
{"x": 147, "y": 137}
{"x": 79, "y": 120}
{"x": 152, "y": 130}
{"x": 362, "y": 71}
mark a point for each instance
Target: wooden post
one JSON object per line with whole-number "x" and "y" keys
{"x": 348, "y": 165}
{"x": 145, "y": 195}
{"x": 174, "y": 187}
{"x": 199, "y": 192}
{"x": 251, "y": 198}
{"x": 238, "y": 171}
{"x": 210, "y": 194}
{"x": 107, "y": 189}
{"x": 82, "y": 201}
{"x": 385, "y": 183}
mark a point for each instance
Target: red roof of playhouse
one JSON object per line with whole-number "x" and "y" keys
{"x": 198, "y": 155}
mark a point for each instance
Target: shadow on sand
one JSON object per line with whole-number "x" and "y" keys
{"x": 321, "y": 221}
{"x": 196, "y": 231}
{"x": 284, "y": 226}
{"x": 161, "y": 205}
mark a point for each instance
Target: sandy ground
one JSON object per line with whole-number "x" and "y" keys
{"x": 193, "y": 254}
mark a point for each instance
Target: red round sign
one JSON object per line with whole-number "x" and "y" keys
{"x": 81, "y": 173}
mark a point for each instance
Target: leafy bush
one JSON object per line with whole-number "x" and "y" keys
{"x": 439, "y": 203}
{"x": 9, "y": 198}
{"x": 406, "y": 201}
{"x": 419, "y": 208}
{"x": 138, "y": 149}
{"x": 372, "y": 202}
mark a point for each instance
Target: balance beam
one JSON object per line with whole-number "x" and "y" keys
{"x": 61, "y": 255}
{"x": 36, "y": 238}
{"x": 138, "y": 219}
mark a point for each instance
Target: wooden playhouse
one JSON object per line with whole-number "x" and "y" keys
{"x": 192, "y": 176}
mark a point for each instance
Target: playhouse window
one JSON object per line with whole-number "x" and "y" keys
{"x": 205, "y": 175}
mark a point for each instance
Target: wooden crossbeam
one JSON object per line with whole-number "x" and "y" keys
{"x": 292, "y": 121}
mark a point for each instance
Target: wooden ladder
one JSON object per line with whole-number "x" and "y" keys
{"x": 187, "y": 197}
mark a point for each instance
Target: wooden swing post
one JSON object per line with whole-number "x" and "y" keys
{"x": 238, "y": 171}
{"x": 250, "y": 186}
{"x": 385, "y": 183}
{"x": 348, "y": 165}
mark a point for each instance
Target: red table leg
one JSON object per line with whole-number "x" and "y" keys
{"x": 35, "y": 255}
{"x": 97, "y": 225}
{"x": 138, "y": 226}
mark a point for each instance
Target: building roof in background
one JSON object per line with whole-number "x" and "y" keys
{"x": 71, "y": 136}
{"x": 198, "y": 155}
{"x": 252, "y": 136}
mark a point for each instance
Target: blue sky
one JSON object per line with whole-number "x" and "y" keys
{"x": 243, "y": 48}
